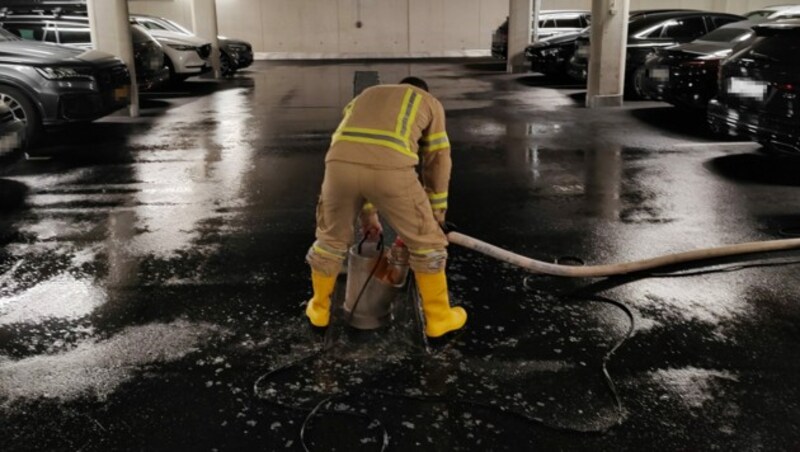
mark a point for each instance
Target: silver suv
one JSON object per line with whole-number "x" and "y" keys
{"x": 47, "y": 84}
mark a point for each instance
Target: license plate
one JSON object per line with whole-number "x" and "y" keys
{"x": 582, "y": 51}
{"x": 659, "y": 74}
{"x": 752, "y": 89}
{"x": 122, "y": 93}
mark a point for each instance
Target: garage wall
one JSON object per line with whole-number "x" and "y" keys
{"x": 391, "y": 28}
{"x": 327, "y": 28}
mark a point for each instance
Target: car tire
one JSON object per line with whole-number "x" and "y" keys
{"x": 23, "y": 110}
{"x": 174, "y": 77}
{"x": 634, "y": 85}
{"x": 225, "y": 65}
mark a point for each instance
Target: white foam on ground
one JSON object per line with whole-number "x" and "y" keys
{"x": 97, "y": 368}
{"x": 61, "y": 297}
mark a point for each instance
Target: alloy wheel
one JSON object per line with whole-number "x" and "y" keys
{"x": 15, "y": 107}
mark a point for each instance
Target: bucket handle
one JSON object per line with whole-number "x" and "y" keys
{"x": 378, "y": 244}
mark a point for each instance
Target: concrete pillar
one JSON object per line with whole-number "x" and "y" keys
{"x": 519, "y": 34}
{"x": 537, "y": 10}
{"x": 204, "y": 24}
{"x": 606, "y": 83}
{"x": 719, "y": 5}
{"x": 109, "y": 21}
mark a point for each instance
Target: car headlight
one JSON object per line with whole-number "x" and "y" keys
{"x": 553, "y": 51}
{"x": 181, "y": 47}
{"x": 61, "y": 73}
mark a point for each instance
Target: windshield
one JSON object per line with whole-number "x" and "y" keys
{"x": 731, "y": 35}
{"x": 172, "y": 26}
{"x": 6, "y": 35}
{"x": 760, "y": 14}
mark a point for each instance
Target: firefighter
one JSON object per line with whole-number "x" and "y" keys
{"x": 385, "y": 132}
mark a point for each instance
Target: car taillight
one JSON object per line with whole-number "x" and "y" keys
{"x": 788, "y": 87}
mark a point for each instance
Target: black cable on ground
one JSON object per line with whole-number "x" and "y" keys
{"x": 318, "y": 408}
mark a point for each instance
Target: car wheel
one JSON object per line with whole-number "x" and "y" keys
{"x": 174, "y": 77}
{"x": 24, "y": 111}
{"x": 225, "y": 65}
{"x": 636, "y": 83}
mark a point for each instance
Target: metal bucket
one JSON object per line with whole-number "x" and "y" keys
{"x": 374, "y": 308}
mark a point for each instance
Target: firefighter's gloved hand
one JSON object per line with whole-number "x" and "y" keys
{"x": 371, "y": 224}
{"x": 439, "y": 215}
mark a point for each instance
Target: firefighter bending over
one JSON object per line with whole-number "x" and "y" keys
{"x": 385, "y": 131}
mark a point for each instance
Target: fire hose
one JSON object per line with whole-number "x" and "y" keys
{"x": 596, "y": 271}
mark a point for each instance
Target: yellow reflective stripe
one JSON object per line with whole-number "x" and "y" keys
{"x": 348, "y": 110}
{"x": 403, "y": 111}
{"x": 437, "y": 147}
{"x": 380, "y": 142}
{"x": 421, "y": 252}
{"x": 434, "y": 136}
{"x": 438, "y": 200}
{"x": 319, "y": 250}
{"x": 368, "y": 206}
{"x": 387, "y": 133}
{"x": 435, "y": 142}
{"x": 413, "y": 116}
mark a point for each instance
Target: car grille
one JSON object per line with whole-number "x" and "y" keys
{"x": 204, "y": 51}
{"x": 114, "y": 76}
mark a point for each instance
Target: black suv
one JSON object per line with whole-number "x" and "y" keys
{"x": 759, "y": 89}
{"x": 552, "y": 56}
{"x": 648, "y": 32}
{"x": 686, "y": 75}
{"x": 46, "y": 84}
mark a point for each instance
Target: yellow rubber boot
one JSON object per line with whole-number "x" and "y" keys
{"x": 440, "y": 318}
{"x": 318, "y": 310}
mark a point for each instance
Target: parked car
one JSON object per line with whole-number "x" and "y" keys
{"x": 647, "y": 32}
{"x": 774, "y": 12}
{"x": 552, "y": 55}
{"x": 73, "y": 30}
{"x": 686, "y": 75}
{"x": 234, "y": 54}
{"x": 759, "y": 89}
{"x": 46, "y": 84}
{"x": 551, "y": 23}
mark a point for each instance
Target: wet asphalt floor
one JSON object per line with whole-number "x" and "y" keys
{"x": 152, "y": 280}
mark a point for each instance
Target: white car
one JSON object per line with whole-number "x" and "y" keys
{"x": 774, "y": 12}
{"x": 185, "y": 55}
{"x": 234, "y": 54}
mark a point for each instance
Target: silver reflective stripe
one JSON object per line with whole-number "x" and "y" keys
{"x": 407, "y": 113}
{"x": 375, "y": 136}
{"x": 442, "y": 140}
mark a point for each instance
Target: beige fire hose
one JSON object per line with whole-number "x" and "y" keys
{"x": 596, "y": 271}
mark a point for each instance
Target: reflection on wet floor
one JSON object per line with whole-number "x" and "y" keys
{"x": 151, "y": 271}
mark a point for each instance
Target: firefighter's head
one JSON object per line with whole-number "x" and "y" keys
{"x": 415, "y": 81}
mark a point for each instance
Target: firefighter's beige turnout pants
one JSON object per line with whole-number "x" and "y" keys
{"x": 399, "y": 197}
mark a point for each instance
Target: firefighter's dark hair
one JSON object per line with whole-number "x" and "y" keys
{"x": 415, "y": 81}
